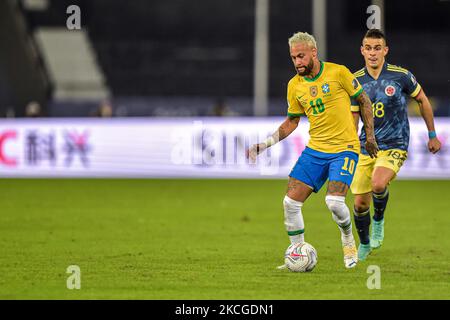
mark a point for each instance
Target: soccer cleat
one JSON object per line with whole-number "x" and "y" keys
{"x": 376, "y": 239}
{"x": 363, "y": 251}
{"x": 350, "y": 253}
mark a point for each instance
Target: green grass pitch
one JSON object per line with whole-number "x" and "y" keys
{"x": 207, "y": 239}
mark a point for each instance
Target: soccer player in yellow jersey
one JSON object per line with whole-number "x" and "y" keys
{"x": 321, "y": 91}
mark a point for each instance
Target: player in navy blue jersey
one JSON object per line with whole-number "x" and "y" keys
{"x": 388, "y": 87}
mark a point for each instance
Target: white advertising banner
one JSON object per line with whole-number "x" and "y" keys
{"x": 181, "y": 147}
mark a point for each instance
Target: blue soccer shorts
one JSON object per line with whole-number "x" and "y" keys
{"x": 314, "y": 168}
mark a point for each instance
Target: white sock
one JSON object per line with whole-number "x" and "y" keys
{"x": 340, "y": 213}
{"x": 293, "y": 220}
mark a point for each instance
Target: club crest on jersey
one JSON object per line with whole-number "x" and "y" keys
{"x": 313, "y": 91}
{"x": 325, "y": 88}
{"x": 390, "y": 91}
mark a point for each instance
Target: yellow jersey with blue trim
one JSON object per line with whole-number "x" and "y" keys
{"x": 325, "y": 100}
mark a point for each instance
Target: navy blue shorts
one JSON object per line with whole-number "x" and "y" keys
{"x": 314, "y": 168}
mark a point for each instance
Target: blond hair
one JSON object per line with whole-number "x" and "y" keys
{"x": 302, "y": 37}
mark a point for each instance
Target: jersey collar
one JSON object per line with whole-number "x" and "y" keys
{"x": 383, "y": 69}
{"x": 317, "y": 76}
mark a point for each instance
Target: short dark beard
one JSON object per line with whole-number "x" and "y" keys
{"x": 308, "y": 69}
{"x": 377, "y": 67}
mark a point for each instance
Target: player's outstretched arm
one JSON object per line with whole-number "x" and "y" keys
{"x": 365, "y": 107}
{"x": 285, "y": 129}
{"x": 434, "y": 145}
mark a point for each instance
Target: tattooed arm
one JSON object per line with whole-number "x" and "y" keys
{"x": 285, "y": 129}
{"x": 356, "y": 120}
{"x": 365, "y": 107}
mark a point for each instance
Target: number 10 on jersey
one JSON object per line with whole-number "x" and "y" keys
{"x": 317, "y": 106}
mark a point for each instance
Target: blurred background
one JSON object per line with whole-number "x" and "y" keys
{"x": 178, "y": 59}
{"x": 185, "y": 58}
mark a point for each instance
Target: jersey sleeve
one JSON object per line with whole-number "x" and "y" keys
{"x": 294, "y": 107}
{"x": 410, "y": 85}
{"x": 350, "y": 83}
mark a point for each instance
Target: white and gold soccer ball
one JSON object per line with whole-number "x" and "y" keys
{"x": 300, "y": 257}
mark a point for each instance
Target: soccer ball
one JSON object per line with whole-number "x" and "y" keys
{"x": 300, "y": 257}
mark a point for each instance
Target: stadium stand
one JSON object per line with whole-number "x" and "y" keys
{"x": 178, "y": 58}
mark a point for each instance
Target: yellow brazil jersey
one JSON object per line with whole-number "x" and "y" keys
{"x": 325, "y": 100}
